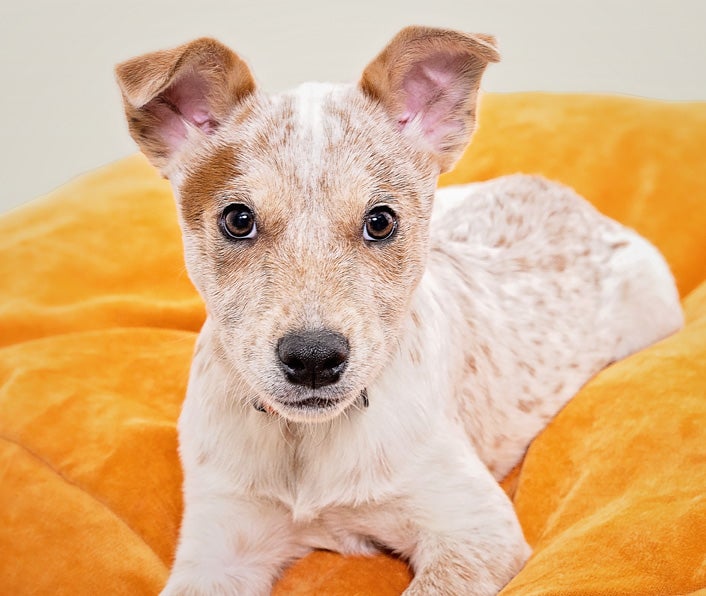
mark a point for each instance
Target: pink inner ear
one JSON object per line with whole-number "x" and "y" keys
{"x": 434, "y": 89}
{"x": 184, "y": 102}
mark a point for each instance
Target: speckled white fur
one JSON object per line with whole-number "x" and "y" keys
{"x": 501, "y": 305}
{"x": 413, "y": 469}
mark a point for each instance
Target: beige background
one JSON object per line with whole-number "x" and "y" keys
{"x": 61, "y": 112}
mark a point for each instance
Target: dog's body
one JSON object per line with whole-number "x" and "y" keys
{"x": 450, "y": 340}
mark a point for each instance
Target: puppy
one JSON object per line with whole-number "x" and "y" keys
{"x": 377, "y": 353}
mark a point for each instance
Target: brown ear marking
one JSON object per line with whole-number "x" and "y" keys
{"x": 432, "y": 76}
{"x": 166, "y": 92}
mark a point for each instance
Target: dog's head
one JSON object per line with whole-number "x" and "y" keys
{"x": 305, "y": 215}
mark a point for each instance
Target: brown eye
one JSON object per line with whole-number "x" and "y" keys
{"x": 380, "y": 224}
{"x": 237, "y": 222}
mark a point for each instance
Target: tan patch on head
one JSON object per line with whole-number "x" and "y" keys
{"x": 204, "y": 182}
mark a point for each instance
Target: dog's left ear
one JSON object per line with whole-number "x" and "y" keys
{"x": 427, "y": 79}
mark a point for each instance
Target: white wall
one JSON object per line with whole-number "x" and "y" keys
{"x": 60, "y": 109}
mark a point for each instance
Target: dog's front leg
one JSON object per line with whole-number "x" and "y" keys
{"x": 230, "y": 545}
{"x": 459, "y": 532}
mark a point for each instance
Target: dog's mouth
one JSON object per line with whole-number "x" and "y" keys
{"x": 311, "y": 403}
{"x": 308, "y": 406}
{"x": 315, "y": 403}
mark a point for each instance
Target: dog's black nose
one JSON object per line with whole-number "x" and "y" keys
{"x": 313, "y": 358}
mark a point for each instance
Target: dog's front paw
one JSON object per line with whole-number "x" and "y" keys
{"x": 448, "y": 585}
{"x": 456, "y": 572}
{"x": 203, "y": 582}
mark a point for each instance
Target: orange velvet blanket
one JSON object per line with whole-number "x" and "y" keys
{"x": 98, "y": 320}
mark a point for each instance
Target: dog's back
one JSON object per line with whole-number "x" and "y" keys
{"x": 549, "y": 292}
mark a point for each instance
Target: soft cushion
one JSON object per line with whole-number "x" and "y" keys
{"x": 98, "y": 320}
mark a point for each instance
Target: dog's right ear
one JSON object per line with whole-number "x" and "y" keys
{"x": 427, "y": 80}
{"x": 172, "y": 94}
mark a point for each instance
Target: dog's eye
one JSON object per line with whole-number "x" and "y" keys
{"x": 238, "y": 222}
{"x": 380, "y": 223}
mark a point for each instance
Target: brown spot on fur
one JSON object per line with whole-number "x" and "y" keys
{"x": 557, "y": 262}
{"x": 204, "y": 182}
{"x": 522, "y": 264}
{"x": 273, "y": 136}
{"x": 416, "y": 320}
{"x": 415, "y": 356}
{"x": 524, "y": 406}
{"x": 529, "y": 368}
{"x": 472, "y": 364}
{"x": 515, "y": 219}
{"x": 528, "y": 405}
{"x": 619, "y": 244}
{"x": 489, "y": 357}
